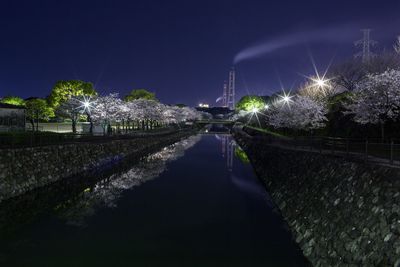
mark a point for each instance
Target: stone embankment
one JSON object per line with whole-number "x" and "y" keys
{"x": 25, "y": 169}
{"x": 341, "y": 213}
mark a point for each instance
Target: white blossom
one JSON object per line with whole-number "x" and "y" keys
{"x": 106, "y": 110}
{"x": 301, "y": 113}
{"x": 377, "y": 98}
{"x": 396, "y": 46}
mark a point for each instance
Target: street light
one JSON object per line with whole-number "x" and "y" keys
{"x": 286, "y": 98}
{"x": 86, "y": 104}
{"x": 320, "y": 82}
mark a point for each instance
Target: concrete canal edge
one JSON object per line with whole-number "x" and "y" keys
{"x": 341, "y": 213}
{"x": 25, "y": 169}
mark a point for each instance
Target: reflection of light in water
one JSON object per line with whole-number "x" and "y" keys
{"x": 106, "y": 194}
{"x": 227, "y": 148}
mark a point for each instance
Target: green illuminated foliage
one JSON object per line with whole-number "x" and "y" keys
{"x": 140, "y": 94}
{"x": 13, "y": 100}
{"x": 64, "y": 90}
{"x": 249, "y": 103}
{"x": 37, "y": 109}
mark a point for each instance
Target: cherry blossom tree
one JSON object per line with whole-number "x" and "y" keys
{"x": 302, "y": 113}
{"x": 149, "y": 112}
{"x": 107, "y": 110}
{"x": 189, "y": 114}
{"x": 396, "y": 46}
{"x": 170, "y": 114}
{"x": 320, "y": 90}
{"x": 376, "y": 99}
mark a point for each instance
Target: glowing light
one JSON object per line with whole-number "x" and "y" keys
{"x": 266, "y": 106}
{"x": 204, "y": 105}
{"x": 320, "y": 82}
{"x": 87, "y": 104}
{"x": 254, "y": 110}
{"x": 286, "y": 98}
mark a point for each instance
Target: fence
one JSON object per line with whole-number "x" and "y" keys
{"x": 33, "y": 139}
{"x": 372, "y": 150}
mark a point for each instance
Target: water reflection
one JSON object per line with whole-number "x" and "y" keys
{"x": 227, "y": 147}
{"x": 107, "y": 192}
{"x": 231, "y": 150}
{"x": 202, "y": 211}
{"x": 75, "y": 199}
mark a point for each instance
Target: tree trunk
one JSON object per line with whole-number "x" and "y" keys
{"x": 37, "y": 120}
{"x": 382, "y": 132}
{"x": 74, "y": 126}
{"x": 91, "y": 123}
{"x": 32, "y": 121}
{"x": 91, "y": 127}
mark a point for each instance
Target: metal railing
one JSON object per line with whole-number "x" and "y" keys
{"x": 34, "y": 139}
{"x": 369, "y": 150}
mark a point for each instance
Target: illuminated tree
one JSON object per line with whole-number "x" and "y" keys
{"x": 319, "y": 89}
{"x": 64, "y": 90}
{"x": 125, "y": 114}
{"x": 249, "y": 103}
{"x": 176, "y": 115}
{"x": 148, "y": 112}
{"x": 377, "y": 99}
{"x": 140, "y": 94}
{"x": 13, "y": 100}
{"x": 302, "y": 113}
{"x": 37, "y": 109}
{"x": 396, "y": 46}
{"x": 170, "y": 114}
{"x": 85, "y": 108}
{"x": 107, "y": 110}
{"x": 70, "y": 109}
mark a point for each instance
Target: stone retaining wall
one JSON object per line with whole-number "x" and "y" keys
{"x": 341, "y": 213}
{"x": 25, "y": 169}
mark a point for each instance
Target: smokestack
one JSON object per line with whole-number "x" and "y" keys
{"x": 231, "y": 89}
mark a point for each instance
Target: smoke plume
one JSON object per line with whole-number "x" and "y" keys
{"x": 344, "y": 33}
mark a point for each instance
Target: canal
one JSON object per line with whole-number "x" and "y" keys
{"x": 195, "y": 203}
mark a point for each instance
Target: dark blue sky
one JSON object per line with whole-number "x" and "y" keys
{"x": 182, "y": 50}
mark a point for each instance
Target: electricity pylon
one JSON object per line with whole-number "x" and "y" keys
{"x": 366, "y": 43}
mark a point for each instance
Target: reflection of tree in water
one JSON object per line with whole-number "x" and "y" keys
{"x": 241, "y": 155}
{"x": 107, "y": 192}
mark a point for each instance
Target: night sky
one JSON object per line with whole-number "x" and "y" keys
{"x": 182, "y": 50}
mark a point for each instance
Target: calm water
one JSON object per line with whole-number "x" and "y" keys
{"x": 196, "y": 203}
